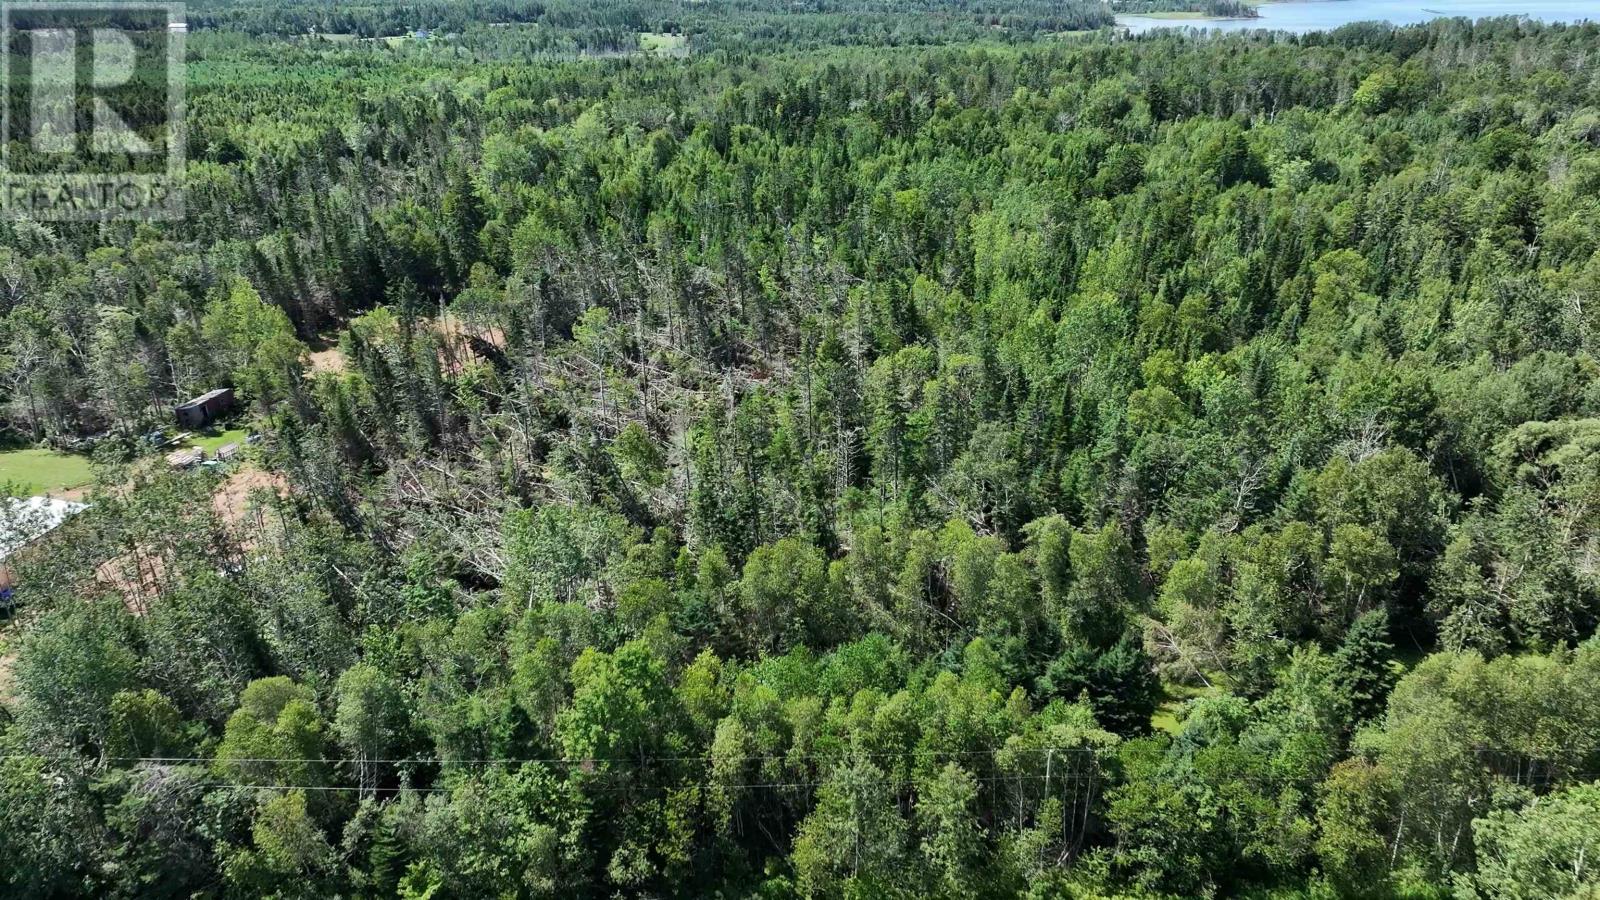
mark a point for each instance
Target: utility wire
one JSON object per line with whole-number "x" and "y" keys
{"x": 550, "y": 760}
{"x": 1064, "y": 778}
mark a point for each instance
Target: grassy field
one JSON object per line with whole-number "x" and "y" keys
{"x": 27, "y": 473}
{"x": 394, "y": 40}
{"x": 211, "y": 440}
{"x": 663, "y": 44}
{"x": 30, "y": 472}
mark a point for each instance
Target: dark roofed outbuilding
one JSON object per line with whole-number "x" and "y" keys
{"x": 205, "y": 409}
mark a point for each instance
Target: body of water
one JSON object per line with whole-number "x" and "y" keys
{"x": 1321, "y": 15}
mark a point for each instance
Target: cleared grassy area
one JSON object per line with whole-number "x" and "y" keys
{"x": 27, "y": 473}
{"x": 211, "y": 440}
{"x": 663, "y": 44}
{"x": 1175, "y": 695}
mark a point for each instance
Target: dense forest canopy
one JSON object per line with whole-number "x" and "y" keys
{"x": 857, "y": 455}
{"x": 826, "y": 21}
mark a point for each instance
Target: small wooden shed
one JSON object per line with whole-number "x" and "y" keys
{"x": 205, "y": 409}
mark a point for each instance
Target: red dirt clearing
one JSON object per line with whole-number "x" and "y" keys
{"x": 329, "y": 360}
{"x": 233, "y": 499}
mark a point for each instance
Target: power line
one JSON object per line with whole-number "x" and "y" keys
{"x": 551, "y": 760}
{"x": 1066, "y": 778}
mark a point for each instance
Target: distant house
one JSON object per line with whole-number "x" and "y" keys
{"x": 21, "y": 523}
{"x": 204, "y": 409}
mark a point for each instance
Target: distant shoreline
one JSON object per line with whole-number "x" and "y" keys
{"x": 1186, "y": 16}
{"x": 1301, "y": 16}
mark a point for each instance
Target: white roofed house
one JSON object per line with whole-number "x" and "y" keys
{"x": 23, "y": 522}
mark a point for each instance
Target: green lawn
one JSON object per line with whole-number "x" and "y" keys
{"x": 211, "y": 439}
{"x": 1175, "y": 695}
{"x": 30, "y": 472}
